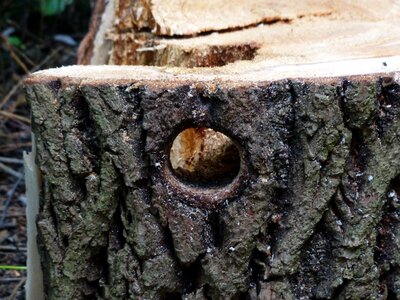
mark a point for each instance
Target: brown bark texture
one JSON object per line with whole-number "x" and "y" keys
{"x": 313, "y": 212}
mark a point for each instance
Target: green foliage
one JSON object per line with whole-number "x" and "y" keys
{"x": 18, "y": 268}
{"x": 16, "y": 42}
{"x": 53, "y": 7}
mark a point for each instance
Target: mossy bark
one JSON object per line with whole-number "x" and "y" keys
{"x": 313, "y": 213}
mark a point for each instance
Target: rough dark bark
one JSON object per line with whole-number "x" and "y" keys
{"x": 313, "y": 213}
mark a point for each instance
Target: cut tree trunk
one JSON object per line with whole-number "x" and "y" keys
{"x": 194, "y": 33}
{"x": 286, "y": 186}
{"x": 312, "y": 212}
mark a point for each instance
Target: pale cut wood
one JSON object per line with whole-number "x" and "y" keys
{"x": 302, "y": 30}
{"x": 191, "y": 17}
{"x": 89, "y": 49}
{"x": 204, "y": 154}
{"x": 245, "y": 73}
{"x": 33, "y": 181}
{"x": 300, "y": 42}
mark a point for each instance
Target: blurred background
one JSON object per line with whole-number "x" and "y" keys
{"x": 34, "y": 35}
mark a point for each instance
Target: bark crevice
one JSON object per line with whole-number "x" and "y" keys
{"x": 315, "y": 209}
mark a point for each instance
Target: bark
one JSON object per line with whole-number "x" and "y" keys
{"x": 313, "y": 212}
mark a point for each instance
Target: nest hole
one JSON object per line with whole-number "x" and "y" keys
{"x": 204, "y": 156}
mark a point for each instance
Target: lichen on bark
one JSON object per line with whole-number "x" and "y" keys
{"x": 313, "y": 212}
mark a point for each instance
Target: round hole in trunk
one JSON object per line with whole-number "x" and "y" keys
{"x": 204, "y": 156}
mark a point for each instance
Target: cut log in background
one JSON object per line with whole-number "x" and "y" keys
{"x": 213, "y": 33}
{"x": 313, "y": 112}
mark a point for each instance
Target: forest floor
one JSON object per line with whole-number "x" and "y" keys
{"x": 24, "y": 49}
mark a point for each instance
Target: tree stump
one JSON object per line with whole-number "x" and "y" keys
{"x": 273, "y": 177}
{"x": 311, "y": 211}
{"x": 193, "y": 33}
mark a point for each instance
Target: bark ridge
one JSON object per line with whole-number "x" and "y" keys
{"x": 313, "y": 212}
